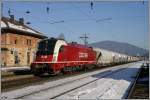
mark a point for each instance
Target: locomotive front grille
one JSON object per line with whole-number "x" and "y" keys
{"x": 40, "y": 65}
{"x": 42, "y": 68}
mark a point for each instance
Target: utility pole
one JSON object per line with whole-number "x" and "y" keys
{"x": 85, "y": 37}
{"x": 2, "y": 8}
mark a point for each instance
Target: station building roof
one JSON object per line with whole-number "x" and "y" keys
{"x": 18, "y": 27}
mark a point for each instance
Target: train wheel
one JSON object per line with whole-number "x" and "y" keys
{"x": 85, "y": 68}
{"x": 58, "y": 72}
{"x": 36, "y": 74}
{"x": 62, "y": 71}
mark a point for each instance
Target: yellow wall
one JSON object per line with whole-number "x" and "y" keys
{"x": 21, "y": 46}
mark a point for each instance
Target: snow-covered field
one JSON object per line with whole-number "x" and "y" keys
{"x": 103, "y": 84}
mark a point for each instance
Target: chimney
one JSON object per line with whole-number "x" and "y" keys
{"x": 12, "y": 17}
{"x": 21, "y": 20}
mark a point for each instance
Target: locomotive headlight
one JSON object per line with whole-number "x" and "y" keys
{"x": 43, "y": 56}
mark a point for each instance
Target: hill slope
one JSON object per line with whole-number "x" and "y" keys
{"x": 120, "y": 47}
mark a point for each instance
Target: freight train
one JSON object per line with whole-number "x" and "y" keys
{"x": 54, "y": 56}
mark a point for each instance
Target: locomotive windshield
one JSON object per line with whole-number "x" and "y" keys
{"x": 46, "y": 47}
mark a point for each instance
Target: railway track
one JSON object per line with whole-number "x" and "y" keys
{"x": 140, "y": 87}
{"x": 15, "y": 82}
{"x": 68, "y": 83}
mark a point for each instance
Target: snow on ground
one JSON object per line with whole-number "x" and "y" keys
{"x": 30, "y": 89}
{"x": 110, "y": 87}
{"x": 115, "y": 86}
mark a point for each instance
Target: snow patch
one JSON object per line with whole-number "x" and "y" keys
{"x": 21, "y": 28}
{"x": 3, "y": 25}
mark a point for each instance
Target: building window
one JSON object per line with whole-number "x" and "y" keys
{"x": 11, "y": 52}
{"x": 29, "y": 42}
{"x": 15, "y": 41}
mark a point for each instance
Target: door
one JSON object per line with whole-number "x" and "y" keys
{"x": 28, "y": 58}
{"x": 16, "y": 57}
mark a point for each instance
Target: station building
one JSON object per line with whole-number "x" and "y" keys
{"x": 18, "y": 42}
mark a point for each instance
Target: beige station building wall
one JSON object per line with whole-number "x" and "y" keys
{"x": 17, "y": 50}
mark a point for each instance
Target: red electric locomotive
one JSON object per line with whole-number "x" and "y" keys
{"x": 55, "y": 55}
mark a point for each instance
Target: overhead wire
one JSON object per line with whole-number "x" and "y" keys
{"x": 53, "y": 22}
{"x": 91, "y": 18}
{"x": 83, "y": 13}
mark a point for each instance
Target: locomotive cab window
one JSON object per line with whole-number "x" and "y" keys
{"x": 46, "y": 47}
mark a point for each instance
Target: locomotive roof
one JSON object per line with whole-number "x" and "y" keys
{"x": 111, "y": 51}
{"x": 69, "y": 44}
{"x": 52, "y": 38}
{"x": 78, "y": 45}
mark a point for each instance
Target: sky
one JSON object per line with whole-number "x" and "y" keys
{"x": 111, "y": 20}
